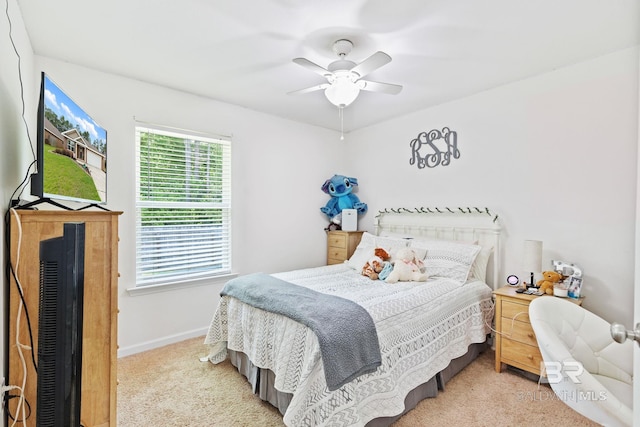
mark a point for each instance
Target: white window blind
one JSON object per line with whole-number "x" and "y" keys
{"x": 183, "y": 207}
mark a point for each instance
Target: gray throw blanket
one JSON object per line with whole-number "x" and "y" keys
{"x": 345, "y": 330}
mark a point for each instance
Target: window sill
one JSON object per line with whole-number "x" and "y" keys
{"x": 153, "y": 289}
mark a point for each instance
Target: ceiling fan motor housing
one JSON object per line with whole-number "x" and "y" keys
{"x": 341, "y": 64}
{"x": 342, "y": 47}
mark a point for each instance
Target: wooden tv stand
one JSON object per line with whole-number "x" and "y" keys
{"x": 100, "y": 326}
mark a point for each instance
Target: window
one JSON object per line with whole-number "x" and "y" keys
{"x": 183, "y": 207}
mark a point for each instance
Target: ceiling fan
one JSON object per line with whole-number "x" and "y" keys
{"x": 344, "y": 77}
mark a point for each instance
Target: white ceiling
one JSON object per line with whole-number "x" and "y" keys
{"x": 241, "y": 51}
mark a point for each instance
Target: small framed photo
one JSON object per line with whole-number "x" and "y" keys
{"x": 575, "y": 284}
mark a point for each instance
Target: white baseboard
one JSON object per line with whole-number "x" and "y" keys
{"x": 161, "y": 342}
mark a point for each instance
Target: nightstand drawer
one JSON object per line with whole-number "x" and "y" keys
{"x": 518, "y": 331}
{"x": 511, "y": 310}
{"x": 341, "y": 245}
{"x": 336, "y": 253}
{"x": 521, "y": 355}
{"x": 336, "y": 240}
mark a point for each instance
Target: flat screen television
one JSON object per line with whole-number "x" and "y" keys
{"x": 60, "y": 325}
{"x": 71, "y": 150}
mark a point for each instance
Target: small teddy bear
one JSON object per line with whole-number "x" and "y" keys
{"x": 549, "y": 278}
{"x": 407, "y": 267}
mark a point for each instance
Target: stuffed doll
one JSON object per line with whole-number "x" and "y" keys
{"x": 376, "y": 263}
{"x": 340, "y": 188}
{"x": 407, "y": 267}
{"x": 373, "y": 267}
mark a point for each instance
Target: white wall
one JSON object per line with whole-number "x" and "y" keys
{"x": 14, "y": 140}
{"x": 555, "y": 156}
{"x": 278, "y": 168}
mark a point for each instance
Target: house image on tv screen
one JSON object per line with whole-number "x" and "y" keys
{"x": 83, "y": 152}
{"x": 72, "y": 144}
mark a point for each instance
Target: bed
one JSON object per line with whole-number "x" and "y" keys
{"x": 427, "y": 331}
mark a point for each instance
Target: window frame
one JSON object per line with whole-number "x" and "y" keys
{"x": 214, "y": 210}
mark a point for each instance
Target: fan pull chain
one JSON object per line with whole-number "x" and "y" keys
{"x": 341, "y": 114}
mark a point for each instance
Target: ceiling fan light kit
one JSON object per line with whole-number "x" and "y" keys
{"x": 343, "y": 90}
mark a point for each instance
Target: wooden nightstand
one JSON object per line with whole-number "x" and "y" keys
{"x": 516, "y": 343}
{"x": 341, "y": 244}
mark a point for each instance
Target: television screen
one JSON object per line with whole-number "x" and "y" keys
{"x": 72, "y": 150}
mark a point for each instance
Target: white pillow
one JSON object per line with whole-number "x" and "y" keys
{"x": 479, "y": 267}
{"x": 446, "y": 258}
{"x": 368, "y": 243}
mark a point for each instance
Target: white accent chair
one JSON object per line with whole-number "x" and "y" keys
{"x": 568, "y": 333}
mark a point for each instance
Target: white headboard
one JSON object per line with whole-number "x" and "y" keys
{"x": 479, "y": 225}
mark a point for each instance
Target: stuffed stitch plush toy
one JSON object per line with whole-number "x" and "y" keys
{"x": 340, "y": 188}
{"x": 547, "y": 282}
{"x": 407, "y": 267}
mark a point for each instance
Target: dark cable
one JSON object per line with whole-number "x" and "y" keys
{"x": 6, "y": 407}
{"x": 15, "y": 49}
{"x": 24, "y": 120}
{"x": 9, "y": 267}
{"x": 26, "y": 313}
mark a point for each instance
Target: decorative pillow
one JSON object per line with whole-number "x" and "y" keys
{"x": 447, "y": 259}
{"x": 479, "y": 267}
{"x": 367, "y": 245}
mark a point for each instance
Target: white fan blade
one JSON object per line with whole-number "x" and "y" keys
{"x": 389, "y": 88}
{"x": 313, "y": 67}
{"x": 373, "y": 62}
{"x": 309, "y": 89}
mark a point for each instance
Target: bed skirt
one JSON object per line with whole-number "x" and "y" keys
{"x": 262, "y": 381}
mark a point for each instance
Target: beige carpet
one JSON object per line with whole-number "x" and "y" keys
{"x": 169, "y": 386}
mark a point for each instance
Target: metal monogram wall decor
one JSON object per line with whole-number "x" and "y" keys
{"x": 434, "y": 148}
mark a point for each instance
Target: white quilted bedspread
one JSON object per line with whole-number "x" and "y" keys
{"x": 421, "y": 328}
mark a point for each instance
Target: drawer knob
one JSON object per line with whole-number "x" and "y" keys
{"x": 530, "y": 357}
{"x": 530, "y": 335}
